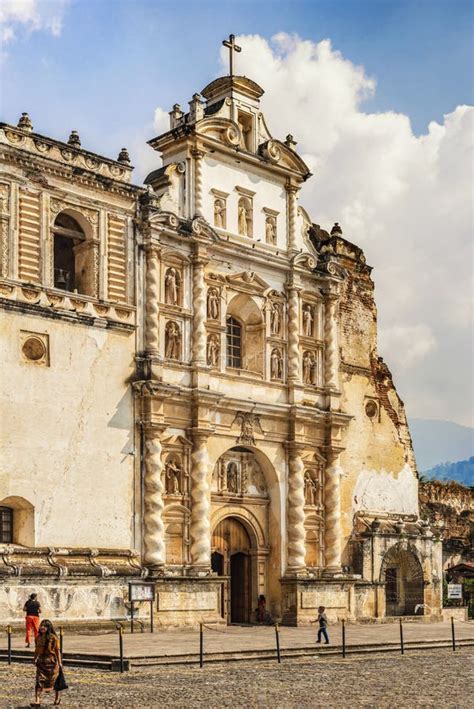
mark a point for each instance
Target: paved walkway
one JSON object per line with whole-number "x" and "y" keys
{"x": 235, "y": 638}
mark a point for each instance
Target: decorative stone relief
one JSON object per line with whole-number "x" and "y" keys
{"x": 275, "y": 318}
{"x": 220, "y": 217}
{"x": 172, "y": 340}
{"x": 213, "y": 304}
{"x": 238, "y": 473}
{"x": 311, "y": 489}
{"x": 296, "y": 515}
{"x": 154, "y": 530}
{"x": 310, "y": 368}
{"x": 249, "y": 423}
{"x": 276, "y": 365}
{"x": 213, "y": 350}
{"x": 245, "y": 218}
{"x": 308, "y": 320}
{"x": 271, "y": 230}
{"x": 174, "y": 476}
{"x": 173, "y": 282}
{"x": 200, "y": 529}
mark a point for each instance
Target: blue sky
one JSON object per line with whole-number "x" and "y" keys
{"x": 116, "y": 60}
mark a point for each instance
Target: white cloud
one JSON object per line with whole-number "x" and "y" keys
{"x": 405, "y": 199}
{"x": 30, "y": 16}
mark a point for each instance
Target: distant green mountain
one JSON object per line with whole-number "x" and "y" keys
{"x": 438, "y": 441}
{"x": 462, "y": 472}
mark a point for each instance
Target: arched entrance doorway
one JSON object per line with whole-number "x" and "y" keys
{"x": 403, "y": 577}
{"x": 231, "y": 557}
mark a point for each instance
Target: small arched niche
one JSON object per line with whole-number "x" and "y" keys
{"x": 17, "y": 521}
{"x": 73, "y": 257}
{"x": 245, "y": 335}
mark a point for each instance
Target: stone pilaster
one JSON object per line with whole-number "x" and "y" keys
{"x": 153, "y": 505}
{"x": 199, "y": 310}
{"x": 330, "y": 336}
{"x": 332, "y": 510}
{"x": 296, "y": 515}
{"x": 152, "y": 297}
{"x": 197, "y": 157}
{"x": 200, "y": 528}
{"x": 291, "y": 191}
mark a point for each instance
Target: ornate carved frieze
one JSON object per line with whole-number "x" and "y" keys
{"x": 249, "y": 424}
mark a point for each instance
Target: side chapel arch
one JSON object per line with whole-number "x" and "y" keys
{"x": 402, "y": 574}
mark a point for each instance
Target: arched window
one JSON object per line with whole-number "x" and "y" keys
{"x": 234, "y": 342}
{"x": 68, "y": 236}
{"x": 6, "y": 525}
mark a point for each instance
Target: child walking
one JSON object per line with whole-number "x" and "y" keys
{"x": 323, "y": 624}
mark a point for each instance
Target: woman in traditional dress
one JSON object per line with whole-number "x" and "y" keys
{"x": 47, "y": 660}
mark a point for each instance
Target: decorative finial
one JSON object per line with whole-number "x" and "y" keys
{"x": 124, "y": 156}
{"x": 289, "y": 141}
{"x": 196, "y": 109}
{"x": 25, "y": 122}
{"x": 74, "y": 139}
{"x": 336, "y": 230}
{"x": 232, "y": 47}
{"x": 175, "y": 115}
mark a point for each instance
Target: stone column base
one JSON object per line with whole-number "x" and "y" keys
{"x": 301, "y": 598}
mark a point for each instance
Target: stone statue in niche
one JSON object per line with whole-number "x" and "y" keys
{"x": 232, "y": 477}
{"x": 245, "y": 217}
{"x": 308, "y": 361}
{"x": 213, "y": 304}
{"x": 219, "y": 213}
{"x": 213, "y": 351}
{"x": 276, "y": 365}
{"x": 275, "y": 319}
{"x": 270, "y": 230}
{"x": 172, "y": 286}
{"x": 172, "y": 340}
{"x": 308, "y": 321}
{"x": 221, "y": 477}
{"x": 173, "y": 477}
{"x": 310, "y": 489}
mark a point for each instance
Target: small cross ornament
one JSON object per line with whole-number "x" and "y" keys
{"x": 232, "y": 47}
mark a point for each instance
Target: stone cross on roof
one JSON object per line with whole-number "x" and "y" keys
{"x": 232, "y": 47}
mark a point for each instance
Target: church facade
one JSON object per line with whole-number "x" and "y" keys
{"x": 198, "y": 398}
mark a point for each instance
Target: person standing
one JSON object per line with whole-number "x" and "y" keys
{"x": 32, "y": 610}
{"x": 48, "y": 662}
{"x": 261, "y": 608}
{"x": 323, "y": 624}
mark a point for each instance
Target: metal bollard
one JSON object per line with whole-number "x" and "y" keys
{"x": 61, "y": 640}
{"x": 402, "y": 648}
{"x": 277, "y": 638}
{"x": 120, "y": 630}
{"x": 343, "y": 638}
{"x": 201, "y": 646}
{"x": 453, "y": 637}
{"x": 9, "y": 643}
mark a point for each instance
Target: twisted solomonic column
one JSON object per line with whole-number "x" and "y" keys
{"x": 198, "y": 156}
{"x": 293, "y": 335}
{"x": 330, "y": 336}
{"x": 153, "y": 527}
{"x": 332, "y": 509}
{"x": 200, "y": 528}
{"x": 296, "y": 516}
{"x": 152, "y": 297}
{"x": 199, "y": 308}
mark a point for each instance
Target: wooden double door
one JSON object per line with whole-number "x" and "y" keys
{"x": 231, "y": 557}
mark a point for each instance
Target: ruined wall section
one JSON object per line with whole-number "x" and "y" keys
{"x": 379, "y": 471}
{"x": 450, "y": 509}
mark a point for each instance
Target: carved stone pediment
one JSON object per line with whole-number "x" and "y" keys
{"x": 248, "y": 281}
{"x": 176, "y": 441}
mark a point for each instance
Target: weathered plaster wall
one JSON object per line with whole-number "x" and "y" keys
{"x": 67, "y": 433}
